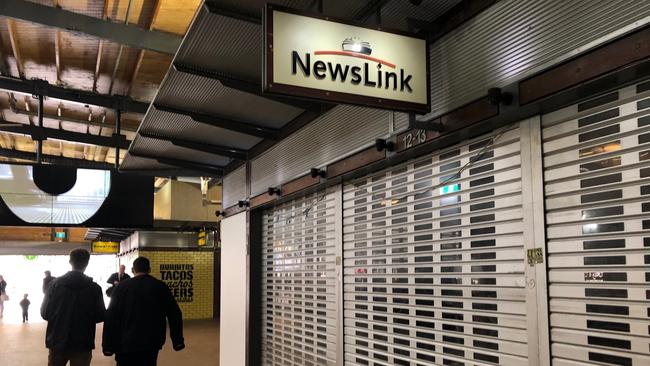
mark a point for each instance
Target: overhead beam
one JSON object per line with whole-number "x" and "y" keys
{"x": 174, "y": 172}
{"x": 69, "y": 119}
{"x": 247, "y": 86}
{"x": 42, "y": 87}
{"x": 38, "y": 133}
{"x": 124, "y": 34}
{"x": 199, "y": 146}
{"x": 55, "y": 160}
{"x": 228, "y": 124}
{"x": 186, "y": 164}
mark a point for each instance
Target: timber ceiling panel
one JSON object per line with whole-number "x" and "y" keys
{"x": 83, "y": 62}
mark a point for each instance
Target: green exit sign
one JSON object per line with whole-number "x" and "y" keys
{"x": 60, "y": 235}
{"x": 449, "y": 189}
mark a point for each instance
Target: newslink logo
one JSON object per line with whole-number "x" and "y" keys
{"x": 356, "y": 75}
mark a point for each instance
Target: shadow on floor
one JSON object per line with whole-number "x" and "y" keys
{"x": 24, "y": 345}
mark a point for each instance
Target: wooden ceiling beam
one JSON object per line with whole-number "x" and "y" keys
{"x": 64, "y": 135}
{"x": 57, "y": 56}
{"x": 15, "y": 48}
{"x": 125, "y": 34}
{"x": 37, "y": 87}
{"x": 4, "y": 67}
{"x": 100, "y": 50}
{"x": 56, "y": 160}
{"x": 138, "y": 63}
{"x": 98, "y": 62}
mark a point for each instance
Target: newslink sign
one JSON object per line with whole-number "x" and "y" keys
{"x": 317, "y": 58}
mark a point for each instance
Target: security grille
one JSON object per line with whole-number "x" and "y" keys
{"x": 434, "y": 259}
{"x": 597, "y": 187}
{"x": 299, "y": 288}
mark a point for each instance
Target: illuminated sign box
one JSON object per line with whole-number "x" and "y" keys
{"x": 201, "y": 239}
{"x": 314, "y": 57}
{"x": 452, "y": 188}
{"x": 105, "y": 247}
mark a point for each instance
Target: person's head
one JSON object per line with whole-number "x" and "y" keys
{"x": 141, "y": 266}
{"x": 122, "y": 268}
{"x": 26, "y": 295}
{"x": 79, "y": 259}
{"x": 48, "y": 273}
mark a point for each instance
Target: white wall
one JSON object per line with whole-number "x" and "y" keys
{"x": 234, "y": 278}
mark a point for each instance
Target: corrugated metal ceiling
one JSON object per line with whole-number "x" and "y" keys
{"x": 205, "y": 95}
{"x": 243, "y": 61}
{"x": 173, "y": 125}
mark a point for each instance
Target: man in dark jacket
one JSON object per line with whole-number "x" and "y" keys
{"x": 115, "y": 280}
{"x": 47, "y": 281}
{"x": 72, "y": 306}
{"x": 135, "y": 324}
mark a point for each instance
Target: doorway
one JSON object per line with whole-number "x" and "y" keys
{"x": 24, "y": 275}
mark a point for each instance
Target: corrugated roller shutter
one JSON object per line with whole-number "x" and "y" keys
{"x": 234, "y": 187}
{"x": 434, "y": 261}
{"x": 340, "y": 132}
{"x": 464, "y": 63}
{"x": 300, "y": 288}
{"x": 597, "y": 187}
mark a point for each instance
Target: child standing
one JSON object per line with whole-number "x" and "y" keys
{"x": 24, "y": 303}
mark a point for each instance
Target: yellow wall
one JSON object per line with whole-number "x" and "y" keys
{"x": 162, "y": 203}
{"x": 182, "y": 201}
{"x": 201, "y": 306}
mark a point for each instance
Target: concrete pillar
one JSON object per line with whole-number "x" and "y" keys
{"x": 234, "y": 291}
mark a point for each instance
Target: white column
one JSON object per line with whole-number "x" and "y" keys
{"x": 234, "y": 286}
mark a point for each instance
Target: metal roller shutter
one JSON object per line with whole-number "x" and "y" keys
{"x": 597, "y": 188}
{"x": 434, "y": 261}
{"x": 300, "y": 302}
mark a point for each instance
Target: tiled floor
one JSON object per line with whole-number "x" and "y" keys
{"x": 24, "y": 345}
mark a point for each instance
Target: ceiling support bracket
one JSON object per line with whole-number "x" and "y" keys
{"x": 39, "y": 142}
{"x": 116, "y": 134}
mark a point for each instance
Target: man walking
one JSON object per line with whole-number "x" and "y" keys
{"x": 135, "y": 324}
{"x": 47, "y": 281}
{"x": 115, "y": 279}
{"x": 72, "y": 306}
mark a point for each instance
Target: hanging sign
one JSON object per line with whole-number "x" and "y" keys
{"x": 105, "y": 247}
{"x": 201, "y": 240}
{"x": 314, "y": 57}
